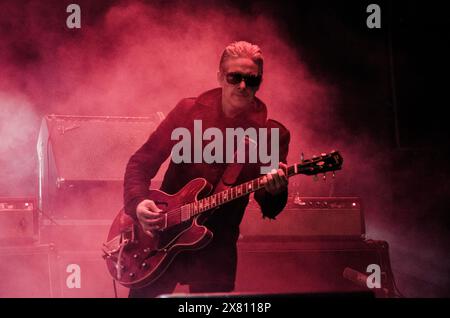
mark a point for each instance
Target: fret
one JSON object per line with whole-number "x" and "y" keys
{"x": 185, "y": 213}
{"x": 213, "y": 200}
{"x": 195, "y": 207}
{"x": 225, "y": 195}
{"x": 207, "y": 203}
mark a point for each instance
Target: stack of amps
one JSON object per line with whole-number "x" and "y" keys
{"x": 81, "y": 163}
{"x": 315, "y": 245}
{"x": 54, "y": 243}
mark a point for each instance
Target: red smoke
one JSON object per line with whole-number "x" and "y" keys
{"x": 135, "y": 59}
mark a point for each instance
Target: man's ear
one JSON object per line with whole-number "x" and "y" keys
{"x": 220, "y": 78}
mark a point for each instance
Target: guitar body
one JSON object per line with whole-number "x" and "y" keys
{"x": 135, "y": 259}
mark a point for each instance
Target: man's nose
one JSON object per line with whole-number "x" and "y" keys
{"x": 242, "y": 84}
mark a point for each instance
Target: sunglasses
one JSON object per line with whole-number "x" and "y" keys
{"x": 250, "y": 80}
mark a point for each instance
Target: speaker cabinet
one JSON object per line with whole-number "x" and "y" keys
{"x": 83, "y": 274}
{"x": 309, "y": 266}
{"x": 28, "y": 271}
{"x": 82, "y": 161}
{"x": 18, "y": 221}
{"x": 308, "y": 217}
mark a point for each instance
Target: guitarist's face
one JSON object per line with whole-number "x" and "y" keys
{"x": 240, "y": 80}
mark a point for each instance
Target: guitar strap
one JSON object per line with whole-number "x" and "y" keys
{"x": 227, "y": 180}
{"x": 233, "y": 169}
{"x": 229, "y": 176}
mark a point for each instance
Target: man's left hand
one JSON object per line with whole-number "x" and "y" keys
{"x": 276, "y": 181}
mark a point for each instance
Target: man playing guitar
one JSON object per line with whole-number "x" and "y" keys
{"x": 213, "y": 267}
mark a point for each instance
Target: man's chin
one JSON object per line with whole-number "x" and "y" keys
{"x": 241, "y": 101}
{"x": 241, "y": 106}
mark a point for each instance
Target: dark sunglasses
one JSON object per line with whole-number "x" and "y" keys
{"x": 250, "y": 80}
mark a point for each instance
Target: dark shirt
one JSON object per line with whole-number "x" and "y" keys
{"x": 218, "y": 260}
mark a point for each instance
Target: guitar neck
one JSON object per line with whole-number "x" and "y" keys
{"x": 324, "y": 163}
{"x": 230, "y": 194}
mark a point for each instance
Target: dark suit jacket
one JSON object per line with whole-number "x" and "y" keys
{"x": 216, "y": 262}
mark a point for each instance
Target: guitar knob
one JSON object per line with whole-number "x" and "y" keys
{"x": 144, "y": 264}
{"x": 135, "y": 256}
{"x": 146, "y": 250}
{"x": 131, "y": 275}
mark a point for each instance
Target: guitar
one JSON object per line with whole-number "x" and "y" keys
{"x": 135, "y": 259}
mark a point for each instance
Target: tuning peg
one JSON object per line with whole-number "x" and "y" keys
{"x": 333, "y": 175}
{"x": 324, "y": 177}
{"x": 315, "y": 178}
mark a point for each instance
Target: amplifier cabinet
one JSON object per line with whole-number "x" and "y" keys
{"x": 82, "y": 160}
{"x": 309, "y": 217}
{"x": 311, "y": 266}
{"x": 28, "y": 271}
{"x": 45, "y": 271}
{"x": 19, "y": 222}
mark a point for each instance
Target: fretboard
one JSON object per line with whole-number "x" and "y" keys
{"x": 213, "y": 201}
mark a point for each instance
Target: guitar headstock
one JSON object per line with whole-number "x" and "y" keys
{"x": 324, "y": 163}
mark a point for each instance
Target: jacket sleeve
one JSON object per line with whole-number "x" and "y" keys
{"x": 146, "y": 161}
{"x": 272, "y": 205}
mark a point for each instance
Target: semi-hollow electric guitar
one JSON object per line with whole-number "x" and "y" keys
{"x": 135, "y": 259}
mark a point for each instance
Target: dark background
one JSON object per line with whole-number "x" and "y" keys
{"x": 393, "y": 83}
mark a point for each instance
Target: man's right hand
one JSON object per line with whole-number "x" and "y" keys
{"x": 149, "y": 216}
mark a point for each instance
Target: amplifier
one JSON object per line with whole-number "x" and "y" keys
{"x": 82, "y": 161}
{"x": 313, "y": 266}
{"x": 18, "y": 221}
{"x": 28, "y": 271}
{"x": 308, "y": 217}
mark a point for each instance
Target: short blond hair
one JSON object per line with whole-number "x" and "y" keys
{"x": 242, "y": 49}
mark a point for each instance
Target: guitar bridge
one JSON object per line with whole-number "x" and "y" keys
{"x": 113, "y": 249}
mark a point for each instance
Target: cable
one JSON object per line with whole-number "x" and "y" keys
{"x": 115, "y": 288}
